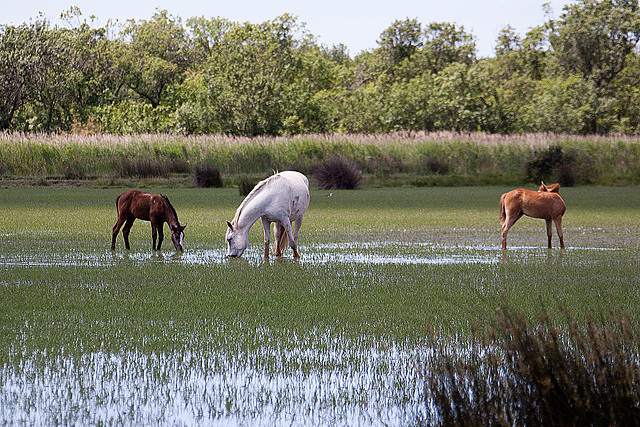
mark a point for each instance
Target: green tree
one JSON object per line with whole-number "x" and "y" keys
{"x": 594, "y": 37}
{"x": 446, "y": 44}
{"x": 153, "y": 55}
{"x": 401, "y": 40}
{"x": 19, "y": 56}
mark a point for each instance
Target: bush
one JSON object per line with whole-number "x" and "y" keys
{"x": 540, "y": 374}
{"x": 552, "y": 164}
{"x": 207, "y": 176}
{"x": 437, "y": 166}
{"x": 245, "y": 185}
{"x": 337, "y": 174}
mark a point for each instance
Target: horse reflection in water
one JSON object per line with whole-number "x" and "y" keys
{"x": 283, "y": 199}
{"x": 545, "y": 203}
{"x": 155, "y": 208}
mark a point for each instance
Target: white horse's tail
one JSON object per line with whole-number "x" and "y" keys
{"x": 282, "y": 240}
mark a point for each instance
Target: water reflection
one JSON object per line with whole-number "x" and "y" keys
{"x": 328, "y": 379}
{"x": 381, "y": 253}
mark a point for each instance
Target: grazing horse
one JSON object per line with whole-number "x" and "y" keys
{"x": 545, "y": 203}
{"x": 282, "y": 198}
{"x": 156, "y": 208}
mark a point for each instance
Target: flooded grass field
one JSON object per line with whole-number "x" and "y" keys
{"x": 341, "y": 336}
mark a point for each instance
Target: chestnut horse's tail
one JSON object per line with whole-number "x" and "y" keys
{"x": 503, "y": 213}
{"x": 282, "y": 240}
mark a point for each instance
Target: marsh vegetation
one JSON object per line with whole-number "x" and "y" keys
{"x": 389, "y": 281}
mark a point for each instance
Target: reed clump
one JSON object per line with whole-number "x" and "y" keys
{"x": 442, "y": 158}
{"x": 522, "y": 373}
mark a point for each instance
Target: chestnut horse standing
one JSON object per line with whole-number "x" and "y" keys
{"x": 156, "y": 208}
{"x": 545, "y": 203}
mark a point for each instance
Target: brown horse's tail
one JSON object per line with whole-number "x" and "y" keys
{"x": 503, "y": 213}
{"x": 117, "y": 206}
{"x": 282, "y": 240}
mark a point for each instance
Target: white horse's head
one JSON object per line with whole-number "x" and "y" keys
{"x": 237, "y": 241}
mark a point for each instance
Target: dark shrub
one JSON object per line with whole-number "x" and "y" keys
{"x": 521, "y": 373}
{"x": 437, "y": 166}
{"x": 337, "y": 174}
{"x": 552, "y": 164}
{"x": 245, "y": 185}
{"x": 206, "y": 176}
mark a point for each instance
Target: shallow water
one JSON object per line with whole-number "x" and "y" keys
{"x": 381, "y": 253}
{"x": 329, "y": 380}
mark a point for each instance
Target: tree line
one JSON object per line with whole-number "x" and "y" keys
{"x": 579, "y": 73}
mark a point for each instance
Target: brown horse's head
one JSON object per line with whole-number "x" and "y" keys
{"x": 177, "y": 236}
{"x": 552, "y": 188}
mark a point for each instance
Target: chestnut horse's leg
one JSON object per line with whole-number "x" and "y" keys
{"x": 266, "y": 225}
{"x": 114, "y": 233}
{"x": 510, "y": 219}
{"x": 558, "y": 222}
{"x": 549, "y": 231}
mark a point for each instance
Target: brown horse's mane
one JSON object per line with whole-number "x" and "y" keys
{"x": 175, "y": 214}
{"x": 259, "y": 186}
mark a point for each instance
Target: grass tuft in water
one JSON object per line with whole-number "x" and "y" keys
{"x": 538, "y": 373}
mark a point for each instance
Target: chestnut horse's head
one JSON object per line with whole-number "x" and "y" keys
{"x": 552, "y": 188}
{"x": 177, "y": 236}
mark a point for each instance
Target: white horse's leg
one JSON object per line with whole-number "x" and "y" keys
{"x": 266, "y": 225}
{"x": 558, "y": 222}
{"x": 292, "y": 242}
{"x": 296, "y": 229}
{"x": 280, "y": 238}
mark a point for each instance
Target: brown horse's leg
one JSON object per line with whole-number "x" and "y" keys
{"x": 549, "y": 231}
{"x": 154, "y": 234}
{"x": 114, "y": 233}
{"x": 126, "y": 230}
{"x": 558, "y": 222}
{"x": 160, "y": 228}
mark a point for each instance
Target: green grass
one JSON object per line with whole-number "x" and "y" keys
{"x": 65, "y": 296}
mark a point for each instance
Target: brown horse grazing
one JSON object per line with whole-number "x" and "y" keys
{"x": 545, "y": 203}
{"x": 156, "y": 208}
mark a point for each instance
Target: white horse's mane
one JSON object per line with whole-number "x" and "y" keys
{"x": 259, "y": 186}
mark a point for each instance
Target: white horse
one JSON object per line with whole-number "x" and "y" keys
{"x": 282, "y": 198}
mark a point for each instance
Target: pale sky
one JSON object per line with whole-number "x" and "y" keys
{"x": 354, "y": 23}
